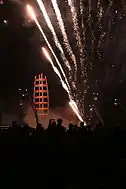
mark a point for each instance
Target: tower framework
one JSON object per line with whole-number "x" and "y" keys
{"x": 41, "y": 96}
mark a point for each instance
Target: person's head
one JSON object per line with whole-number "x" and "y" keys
{"x": 59, "y": 121}
{"x": 70, "y": 126}
{"x": 39, "y": 125}
{"x": 50, "y": 122}
{"x": 53, "y": 123}
{"x": 81, "y": 124}
{"x": 14, "y": 124}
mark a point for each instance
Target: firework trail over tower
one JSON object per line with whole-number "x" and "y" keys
{"x": 47, "y": 19}
{"x": 32, "y": 14}
{"x": 64, "y": 84}
{"x": 92, "y": 26}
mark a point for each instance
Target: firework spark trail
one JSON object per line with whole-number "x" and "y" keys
{"x": 80, "y": 45}
{"x": 55, "y": 69}
{"x": 101, "y": 14}
{"x": 109, "y": 24}
{"x": 90, "y": 20}
{"x": 82, "y": 16}
{"x": 72, "y": 102}
{"x": 90, "y": 7}
{"x": 82, "y": 23}
{"x": 48, "y": 21}
{"x": 63, "y": 31}
{"x": 77, "y": 35}
{"x": 100, "y": 10}
{"x": 33, "y": 16}
{"x": 75, "y": 25}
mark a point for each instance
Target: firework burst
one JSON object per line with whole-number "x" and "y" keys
{"x": 92, "y": 28}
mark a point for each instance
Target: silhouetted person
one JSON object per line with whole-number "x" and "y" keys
{"x": 81, "y": 128}
{"x": 70, "y": 127}
{"x": 39, "y": 129}
{"x": 53, "y": 124}
{"x": 50, "y": 123}
{"x": 60, "y": 127}
{"x": 81, "y": 124}
{"x": 14, "y": 124}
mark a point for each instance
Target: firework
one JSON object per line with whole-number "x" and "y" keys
{"x": 72, "y": 103}
{"x": 63, "y": 31}
{"x": 33, "y": 16}
{"x": 75, "y": 25}
{"x": 57, "y": 43}
{"x": 90, "y": 35}
{"x": 65, "y": 85}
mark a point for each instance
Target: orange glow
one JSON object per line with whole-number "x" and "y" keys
{"x": 41, "y": 108}
{"x": 31, "y": 12}
{"x": 41, "y": 85}
{"x": 41, "y": 102}
{"x": 38, "y": 96}
{"x": 1, "y": 2}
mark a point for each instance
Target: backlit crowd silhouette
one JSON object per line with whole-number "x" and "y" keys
{"x": 59, "y": 157}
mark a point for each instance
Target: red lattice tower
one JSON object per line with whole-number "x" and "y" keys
{"x": 41, "y": 96}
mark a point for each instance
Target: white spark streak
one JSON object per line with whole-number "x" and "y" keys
{"x": 63, "y": 31}
{"x": 33, "y": 16}
{"x": 48, "y": 21}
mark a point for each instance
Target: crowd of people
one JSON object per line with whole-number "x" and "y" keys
{"x": 59, "y": 157}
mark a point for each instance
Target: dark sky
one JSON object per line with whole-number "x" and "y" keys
{"x": 21, "y": 57}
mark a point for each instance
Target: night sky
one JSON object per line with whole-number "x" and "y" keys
{"x": 21, "y": 57}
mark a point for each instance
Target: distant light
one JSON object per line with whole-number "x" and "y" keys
{"x": 5, "y": 21}
{"x": 26, "y": 89}
{"x": 21, "y": 104}
{"x": 91, "y": 109}
{"x": 23, "y": 94}
{"x": 115, "y": 99}
{"x": 113, "y": 65}
{"x": 116, "y": 11}
{"x": 85, "y": 124}
{"x": 19, "y": 89}
{"x": 115, "y": 104}
{"x": 95, "y": 98}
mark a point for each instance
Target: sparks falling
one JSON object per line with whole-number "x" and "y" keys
{"x": 64, "y": 34}
{"x": 92, "y": 24}
{"x": 72, "y": 102}
{"x": 75, "y": 25}
{"x": 65, "y": 85}
{"x": 33, "y": 16}
{"x": 57, "y": 43}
